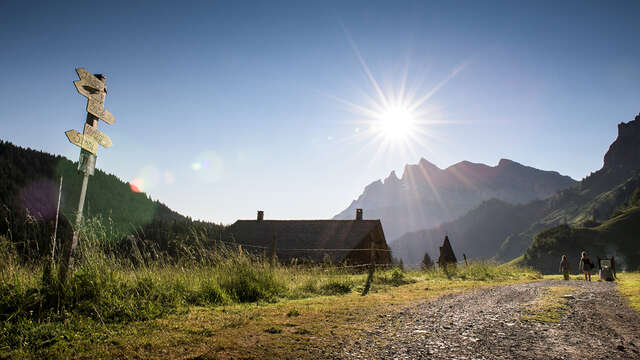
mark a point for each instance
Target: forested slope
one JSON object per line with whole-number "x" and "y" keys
{"x": 29, "y": 195}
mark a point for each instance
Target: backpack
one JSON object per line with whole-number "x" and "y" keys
{"x": 606, "y": 274}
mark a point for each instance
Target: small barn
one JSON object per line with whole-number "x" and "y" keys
{"x": 314, "y": 240}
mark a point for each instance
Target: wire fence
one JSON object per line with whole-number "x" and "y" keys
{"x": 299, "y": 249}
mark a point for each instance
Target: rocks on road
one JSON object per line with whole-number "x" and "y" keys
{"x": 487, "y": 324}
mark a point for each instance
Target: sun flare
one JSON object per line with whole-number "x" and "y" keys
{"x": 396, "y": 119}
{"x": 395, "y": 123}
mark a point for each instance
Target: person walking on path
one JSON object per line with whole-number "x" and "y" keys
{"x": 564, "y": 267}
{"x": 585, "y": 265}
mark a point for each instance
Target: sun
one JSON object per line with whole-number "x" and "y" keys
{"x": 396, "y": 120}
{"x": 395, "y": 123}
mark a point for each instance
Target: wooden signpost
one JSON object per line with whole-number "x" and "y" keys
{"x": 94, "y": 89}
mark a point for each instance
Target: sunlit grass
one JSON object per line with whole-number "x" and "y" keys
{"x": 630, "y": 286}
{"x": 551, "y": 307}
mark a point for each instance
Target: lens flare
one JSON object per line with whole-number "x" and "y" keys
{"x": 169, "y": 178}
{"x": 136, "y": 185}
{"x": 147, "y": 179}
{"x": 208, "y": 166}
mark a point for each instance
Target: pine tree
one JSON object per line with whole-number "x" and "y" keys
{"x": 426, "y": 261}
{"x": 446, "y": 254}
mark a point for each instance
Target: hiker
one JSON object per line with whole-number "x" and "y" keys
{"x": 585, "y": 265}
{"x": 564, "y": 267}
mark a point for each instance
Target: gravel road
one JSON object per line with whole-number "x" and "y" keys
{"x": 487, "y": 324}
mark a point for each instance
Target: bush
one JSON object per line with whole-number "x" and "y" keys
{"x": 246, "y": 280}
{"x": 337, "y": 286}
{"x": 211, "y": 293}
{"x": 395, "y": 277}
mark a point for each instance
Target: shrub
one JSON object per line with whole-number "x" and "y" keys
{"x": 337, "y": 286}
{"x": 211, "y": 293}
{"x": 246, "y": 280}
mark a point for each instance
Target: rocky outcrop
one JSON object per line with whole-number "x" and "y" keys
{"x": 621, "y": 161}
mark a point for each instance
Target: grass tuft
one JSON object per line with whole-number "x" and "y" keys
{"x": 549, "y": 308}
{"x": 630, "y": 287}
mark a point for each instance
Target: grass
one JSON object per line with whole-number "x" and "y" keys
{"x": 227, "y": 303}
{"x": 629, "y": 285}
{"x": 549, "y": 308}
{"x": 304, "y": 306}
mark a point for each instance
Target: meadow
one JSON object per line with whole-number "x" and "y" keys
{"x": 217, "y": 297}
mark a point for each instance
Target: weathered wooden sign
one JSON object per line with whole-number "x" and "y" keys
{"x": 97, "y": 109}
{"x": 94, "y": 90}
{"x": 85, "y": 142}
{"x": 99, "y": 137}
{"x": 89, "y": 85}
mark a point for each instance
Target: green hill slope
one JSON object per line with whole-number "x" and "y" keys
{"x": 619, "y": 236}
{"x": 29, "y": 194}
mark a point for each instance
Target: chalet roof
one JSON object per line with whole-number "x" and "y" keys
{"x": 309, "y": 234}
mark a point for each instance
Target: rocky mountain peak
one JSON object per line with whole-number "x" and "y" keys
{"x": 427, "y": 195}
{"x": 427, "y": 165}
{"x": 392, "y": 178}
{"x": 623, "y": 156}
{"x": 506, "y": 162}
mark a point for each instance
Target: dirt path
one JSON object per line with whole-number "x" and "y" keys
{"x": 488, "y": 324}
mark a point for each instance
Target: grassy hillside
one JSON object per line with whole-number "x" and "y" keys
{"x": 579, "y": 206}
{"x": 617, "y": 236}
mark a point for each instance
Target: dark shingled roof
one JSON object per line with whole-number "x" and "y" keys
{"x": 309, "y": 234}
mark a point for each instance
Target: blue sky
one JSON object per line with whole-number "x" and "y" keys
{"x": 224, "y": 108}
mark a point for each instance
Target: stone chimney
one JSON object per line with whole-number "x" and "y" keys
{"x": 260, "y": 215}
{"x": 358, "y": 214}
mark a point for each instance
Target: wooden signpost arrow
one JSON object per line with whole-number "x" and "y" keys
{"x": 97, "y": 136}
{"x": 94, "y": 89}
{"x": 86, "y": 142}
{"x": 97, "y": 108}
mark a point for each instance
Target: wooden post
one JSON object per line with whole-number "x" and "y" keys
{"x": 372, "y": 266}
{"x": 465, "y": 259}
{"x": 273, "y": 250}
{"x": 55, "y": 228}
{"x": 67, "y": 256}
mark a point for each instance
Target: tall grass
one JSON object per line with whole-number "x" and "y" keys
{"x": 107, "y": 287}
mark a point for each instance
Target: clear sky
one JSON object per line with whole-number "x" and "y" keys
{"x": 226, "y": 107}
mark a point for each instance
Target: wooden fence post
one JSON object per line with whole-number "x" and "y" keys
{"x": 372, "y": 267}
{"x": 465, "y": 260}
{"x": 55, "y": 228}
{"x": 273, "y": 250}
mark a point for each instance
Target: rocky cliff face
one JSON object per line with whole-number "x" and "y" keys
{"x": 622, "y": 160}
{"x": 426, "y": 195}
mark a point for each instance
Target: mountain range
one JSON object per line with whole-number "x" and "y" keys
{"x": 503, "y": 230}
{"x": 427, "y": 196}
